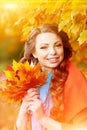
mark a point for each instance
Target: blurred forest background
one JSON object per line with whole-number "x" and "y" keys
{"x": 19, "y": 17}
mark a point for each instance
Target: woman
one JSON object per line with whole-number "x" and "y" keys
{"x": 60, "y": 104}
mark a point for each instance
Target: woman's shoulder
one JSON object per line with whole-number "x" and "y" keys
{"x": 75, "y": 91}
{"x": 71, "y": 66}
{"x": 74, "y": 73}
{"x": 76, "y": 81}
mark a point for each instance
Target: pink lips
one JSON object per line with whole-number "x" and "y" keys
{"x": 53, "y": 59}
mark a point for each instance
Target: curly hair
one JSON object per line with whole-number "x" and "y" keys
{"x": 59, "y": 74}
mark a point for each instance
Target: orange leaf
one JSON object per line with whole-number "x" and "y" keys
{"x": 19, "y": 79}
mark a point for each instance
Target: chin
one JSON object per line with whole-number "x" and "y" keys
{"x": 52, "y": 66}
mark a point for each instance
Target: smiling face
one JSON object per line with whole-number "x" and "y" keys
{"x": 48, "y": 50}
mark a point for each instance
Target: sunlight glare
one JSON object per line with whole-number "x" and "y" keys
{"x": 10, "y": 6}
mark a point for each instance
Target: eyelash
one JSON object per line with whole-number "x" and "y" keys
{"x": 59, "y": 45}
{"x": 43, "y": 47}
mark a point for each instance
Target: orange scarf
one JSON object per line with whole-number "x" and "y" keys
{"x": 75, "y": 94}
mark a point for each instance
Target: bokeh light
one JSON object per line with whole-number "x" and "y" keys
{"x": 10, "y": 6}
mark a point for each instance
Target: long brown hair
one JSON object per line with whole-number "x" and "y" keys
{"x": 59, "y": 73}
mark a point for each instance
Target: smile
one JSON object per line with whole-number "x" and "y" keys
{"x": 53, "y": 59}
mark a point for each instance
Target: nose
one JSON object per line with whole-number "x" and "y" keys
{"x": 52, "y": 51}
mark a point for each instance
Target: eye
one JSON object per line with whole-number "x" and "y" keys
{"x": 58, "y": 45}
{"x": 43, "y": 47}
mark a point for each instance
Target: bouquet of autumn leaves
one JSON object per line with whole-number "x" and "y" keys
{"x": 18, "y": 78}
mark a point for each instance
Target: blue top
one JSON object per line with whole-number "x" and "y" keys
{"x": 45, "y": 97}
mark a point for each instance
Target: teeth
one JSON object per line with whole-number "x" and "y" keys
{"x": 53, "y": 59}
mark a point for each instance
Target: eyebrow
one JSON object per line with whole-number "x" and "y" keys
{"x": 54, "y": 43}
{"x": 58, "y": 42}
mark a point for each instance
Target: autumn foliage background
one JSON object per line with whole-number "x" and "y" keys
{"x": 18, "y": 18}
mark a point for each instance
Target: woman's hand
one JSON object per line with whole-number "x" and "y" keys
{"x": 31, "y": 104}
{"x": 34, "y": 104}
{"x": 28, "y": 98}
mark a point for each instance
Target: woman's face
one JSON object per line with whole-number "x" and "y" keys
{"x": 49, "y": 50}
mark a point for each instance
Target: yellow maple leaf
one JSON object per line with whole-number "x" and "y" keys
{"x": 19, "y": 78}
{"x": 83, "y": 37}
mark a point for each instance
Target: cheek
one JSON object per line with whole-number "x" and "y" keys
{"x": 61, "y": 51}
{"x": 40, "y": 55}
{"x": 62, "y": 54}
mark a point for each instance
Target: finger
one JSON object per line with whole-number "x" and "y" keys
{"x": 35, "y": 103}
{"x": 32, "y": 98}
{"x": 31, "y": 93}
{"x": 28, "y": 98}
{"x": 31, "y": 90}
{"x": 35, "y": 106}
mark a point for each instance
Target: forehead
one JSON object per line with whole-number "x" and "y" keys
{"x": 47, "y": 38}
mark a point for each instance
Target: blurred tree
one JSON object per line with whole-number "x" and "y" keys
{"x": 17, "y": 19}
